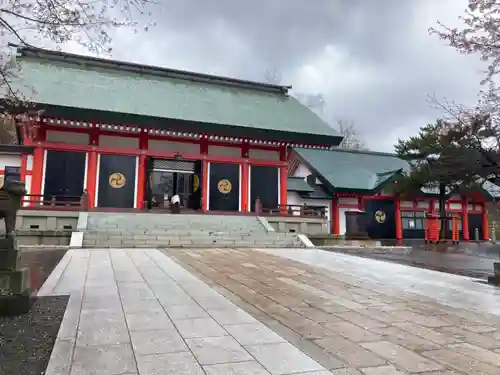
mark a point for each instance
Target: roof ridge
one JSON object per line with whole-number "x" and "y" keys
{"x": 148, "y": 69}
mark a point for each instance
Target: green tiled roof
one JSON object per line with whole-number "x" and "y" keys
{"x": 350, "y": 169}
{"x": 299, "y": 184}
{"x": 73, "y": 81}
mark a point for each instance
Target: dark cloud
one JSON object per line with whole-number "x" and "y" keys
{"x": 372, "y": 60}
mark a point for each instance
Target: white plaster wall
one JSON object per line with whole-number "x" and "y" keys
{"x": 264, "y": 154}
{"x": 345, "y": 200}
{"x": 224, "y": 151}
{"x": 455, "y": 198}
{"x": 406, "y": 204}
{"x": 9, "y": 160}
{"x": 29, "y": 163}
{"x": 182, "y": 147}
{"x": 301, "y": 171}
{"x": 294, "y": 198}
{"x": 114, "y": 141}
{"x": 68, "y": 137}
{"x": 386, "y": 193}
{"x": 27, "y": 182}
{"x": 423, "y": 204}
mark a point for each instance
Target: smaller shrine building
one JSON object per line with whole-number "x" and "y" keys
{"x": 339, "y": 180}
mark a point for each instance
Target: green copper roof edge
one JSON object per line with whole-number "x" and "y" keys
{"x": 351, "y": 151}
{"x": 91, "y": 115}
{"x": 41, "y": 53}
{"x": 390, "y": 178}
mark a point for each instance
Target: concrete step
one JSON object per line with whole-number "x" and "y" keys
{"x": 165, "y": 221}
{"x": 103, "y": 239}
{"x": 178, "y": 232}
{"x": 192, "y": 242}
{"x": 183, "y": 235}
{"x": 165, "y": 230}
{"x": 195, "y": 246}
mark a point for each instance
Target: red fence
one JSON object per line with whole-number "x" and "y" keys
{"x": 55, "y": 202}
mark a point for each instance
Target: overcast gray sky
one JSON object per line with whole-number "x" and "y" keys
{"x": 373, "y": 61}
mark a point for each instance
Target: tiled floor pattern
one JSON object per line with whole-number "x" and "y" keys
{"x": 139, "y": 313}
{"x": 366, "y": 317}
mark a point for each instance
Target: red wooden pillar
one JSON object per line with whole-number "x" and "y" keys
{"x": 141, "y": 181}
{"x": 245, "y": 178}
{"x": 204, "y": 185}
{"x": 283, "y": 188}
{"x": 245, "y": 204}
{"x": 399, "y": 226}
{"x": 432, "y": 207}
{"x": 335, "y": 224}
{"x": 92, "y": 178}
{"x": 465, "y": 219}
{"x": 283, "y": 171}
{"x": 24, "y": 167}
{"x": 361, "y": 203}
{"x": 37, "y": 173}
{"x": 92, "y": 167}
{"x": 486, "y": 232}
{"x": 141, "y": 170}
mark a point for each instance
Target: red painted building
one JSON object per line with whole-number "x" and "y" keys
{"x": 339, "y": 180}
{"x": 130, "y": 135}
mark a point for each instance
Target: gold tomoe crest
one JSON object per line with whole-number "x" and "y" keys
{"x": 196, "y": 183}
{"x": 224, "y": 186}
{"x": 380, "y": 216}
{"x": 117, "y": 180}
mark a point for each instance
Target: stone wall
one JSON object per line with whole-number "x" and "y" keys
{"x": 308, "y": 226}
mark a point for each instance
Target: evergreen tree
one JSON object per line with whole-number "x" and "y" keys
{"x": 446, "y": 156}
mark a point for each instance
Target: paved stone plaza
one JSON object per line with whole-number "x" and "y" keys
{"x": 251, "y": 312}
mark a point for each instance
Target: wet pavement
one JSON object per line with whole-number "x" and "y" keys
{"x": 459, "y": 261}
{"x": 360, "y": 316}
{"x": 40, "y": 262}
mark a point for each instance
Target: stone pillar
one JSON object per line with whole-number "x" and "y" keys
{"x": 15, "y": 296}
{"x": 356, "y": 223}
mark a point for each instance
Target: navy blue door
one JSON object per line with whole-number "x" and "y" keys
{"x": 64, "y": 175}
{"x": 116, "y": 181}
{"x": 264, "y": 185}
{"x": 224, "y": 187}
{"x": 476, "y": 223}
{"x": 381, "y": 216}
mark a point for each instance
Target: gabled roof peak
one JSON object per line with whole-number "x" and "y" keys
{"x": 147, "y": 69}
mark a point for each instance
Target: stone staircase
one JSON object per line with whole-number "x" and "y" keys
{"x": 189, "y": 231}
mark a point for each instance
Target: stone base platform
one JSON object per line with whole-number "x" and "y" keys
{"x": 494, "y": 280}
{"x": 16, "y": 304}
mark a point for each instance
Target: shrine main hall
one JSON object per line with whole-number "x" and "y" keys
{"x": 127, "y": 133}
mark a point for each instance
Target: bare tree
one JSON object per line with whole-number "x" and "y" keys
{"x": 7, "y": 131}
{"x": 352, "y": 138}
{"x": 273, "y": 76}
{"x": 317, "y": 103}
{"x": 86, "y": 22}
{"x": 480, "y": 35}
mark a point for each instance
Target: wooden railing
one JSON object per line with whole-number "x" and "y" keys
{"x": 55, "y": 202}
{"x": 291, "y": 210}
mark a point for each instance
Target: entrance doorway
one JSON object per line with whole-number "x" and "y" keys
{"x": 64, "y": 175}
{"x": 167, "y": 178}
